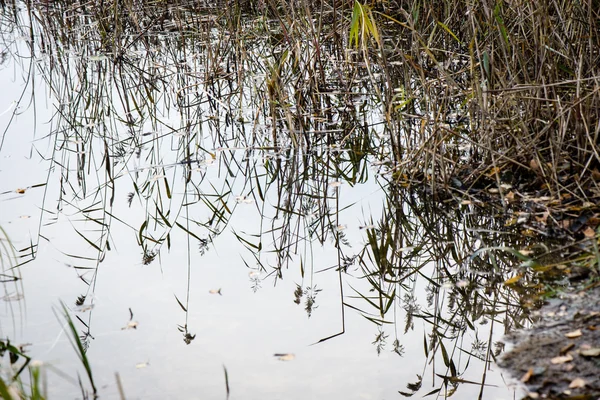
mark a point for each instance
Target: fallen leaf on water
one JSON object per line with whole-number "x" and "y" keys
{"x": 85, "y": 308}
{"x": 284, "y": 356}
{"x": 215, "y": 291}
{"x": 574, "y": 334}
{"x": 367, "y": 227}
{"x": 244, "y": 200}
{"x": 525, "y": 378}
{"x": 561, "y": 359}
{"x": 130, "y": 325}
{"x": 577, "y": 383}
{"x": 593, "y": 352}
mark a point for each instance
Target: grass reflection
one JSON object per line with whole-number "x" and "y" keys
{"x": 171, "y": 118}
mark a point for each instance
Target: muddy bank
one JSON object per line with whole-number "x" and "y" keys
{"x": 559, "y": 358}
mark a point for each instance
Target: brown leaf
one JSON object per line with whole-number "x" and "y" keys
{"x": 543, "y": 218}
{"x": 589, "y": 232}
{"x": 493, "y": 171}
{"x": 562, "y": 359}
{"x": 20, "y": 190}
{"x": 577, "y": 383}
{"x": 574, "y": 334}
{"x": 525, "y": 378}
{"x": 535, "y": 166}
{"x": 565, "y": 349}
{"x": 510, "y": 196}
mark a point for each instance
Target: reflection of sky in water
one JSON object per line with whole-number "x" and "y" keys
{"x": 240, "y": 330}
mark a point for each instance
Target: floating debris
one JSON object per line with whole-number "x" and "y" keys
{"x": 244, "y": 199}
{"x": 216, "y": 291}
{"x": 13, "y": 297}
{"x": 284, "y": 356}
{"x": 130, "y": 325}
{"x": 84, "y": 308}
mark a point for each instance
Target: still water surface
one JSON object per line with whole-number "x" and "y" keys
{"x": 189, "y": 236}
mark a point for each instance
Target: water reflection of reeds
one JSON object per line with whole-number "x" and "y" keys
{"x": 188, "y": 115}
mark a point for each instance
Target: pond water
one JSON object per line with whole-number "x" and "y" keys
{"x": 214, "y": 234}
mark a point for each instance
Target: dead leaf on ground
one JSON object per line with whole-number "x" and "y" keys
{"x": 577, "y": 383}
{"x": 525, "y": 378}
{"x": 565, "y": 349}
{"x": 589, "y": 232}
{"x": 543, "y": 219}
{"x": 574, "y": 334}
{"x": 535, "y": 166}
{"x": 593, "y": 352}
{"x": 510, "y": 196}
{"x": 561, "y": 359}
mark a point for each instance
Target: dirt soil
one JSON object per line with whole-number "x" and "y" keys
{"x": 559, "y": 358}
